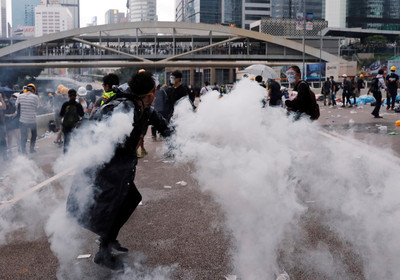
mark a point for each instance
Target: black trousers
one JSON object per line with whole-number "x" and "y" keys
{"x": 378, "y": 98}
{"x": 131, "y": 201}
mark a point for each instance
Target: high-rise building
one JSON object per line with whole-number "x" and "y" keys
{"x": 3, "y": 18}
{"x": 51, "y": 19}
{"x": 114, "y": 16}
{"x": 336, "y": 12}
{"x": 205, "y": 11}
{"x": 142, "y": 10}
{"x": 373, "y": 14}
{"x": 255, "y": 10}
{"x": 72, "y": 5}
{"x": 23, "y": 12}
{"x": 232, "y": 12}
{"x": 287, "y": 9}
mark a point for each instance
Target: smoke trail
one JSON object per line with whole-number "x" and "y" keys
{"x": 294, "y": 199}
{"x": 20, "y": 175}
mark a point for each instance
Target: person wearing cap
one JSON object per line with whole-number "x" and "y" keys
{"x": 176, "y": 92}
{"x": 392, "y": 83}
{"x": 116, "y": 194}
{"x": 346, "y": 91}
{"x": 360, "y": 84}
{"x": 28, "y": 104}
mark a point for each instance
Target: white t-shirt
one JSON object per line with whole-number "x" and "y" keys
{"x": 204, "y": 90}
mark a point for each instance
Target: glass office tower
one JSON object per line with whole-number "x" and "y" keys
{"x": 23, "y": 12}
{"x": 232, "y": 12}
{"x": 205, "y": 11}
{"x": 287, "y": 9}
{"x": 374, "y": 14}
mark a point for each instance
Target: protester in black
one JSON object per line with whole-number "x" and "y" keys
{"x": 346, "y": 87}
{"x": 71, "y": 112}
{"x": 274, "y": 92}
{"x": 360, "y": 84}
{"x": 392, "y": 82}
{"x": 377, "y": 85}
{"x": 303, "y": 103}
{"x": 326, "y": 91}
{"x": 115, "y": 194}
{"x": 176, "y": 92}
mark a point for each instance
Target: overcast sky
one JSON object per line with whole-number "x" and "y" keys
{"x": 90, "y": 8}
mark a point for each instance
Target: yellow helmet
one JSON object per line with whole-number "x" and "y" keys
{"x": 361, "y": 76}
{"x": 32, "y": 86}
{"x": 393, "y": 68}
{"x": 64, "y": 90}
{"x": 59, "y": 87}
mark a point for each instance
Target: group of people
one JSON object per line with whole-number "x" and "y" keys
{"x": 350, "y": 89}
{"x": 17, "y": 117}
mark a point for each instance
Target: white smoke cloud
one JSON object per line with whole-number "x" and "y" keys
{"x": 266, "y": 170}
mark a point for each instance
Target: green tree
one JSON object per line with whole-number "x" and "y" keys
{"x": 377, "y": 39}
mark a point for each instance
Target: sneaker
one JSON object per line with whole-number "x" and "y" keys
{"x": 117, "y": 248}
{"x": 32, "y": 151}
{"x": 139, "y": 155}
{"x": 378, "y": 117}
{"x": 106, "y": 259}
{"x": 343, "y": 106}
{"x": 387, "y": 108}
{"x": 144, "y": 152}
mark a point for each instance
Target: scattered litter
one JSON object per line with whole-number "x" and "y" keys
{"x": 353, "y": 112}
{"x": 351, "y": 121}
{"x": 383, "y": 128}
{"x": 167, "y": 187}
{"x": 283, "y": 276}
{"x": 168, "y": 161}
{"x": 393, "y": 133}
{"x": 231, "y": 277}
{"x": 141, "y": 203}
{"x": 1, "y": 178}
{"x": 182, "y": 183}
{"x": 85, "y": 256}
{"x": 4, "y": 202}
{"x": 336, "y": 116}
{"x": 360, "y": 107}
{"x": 310, "y": 201}
{"x": 145, "y": 160}
{"x": 397, "y": 123}
{"x": 368, "y": 127}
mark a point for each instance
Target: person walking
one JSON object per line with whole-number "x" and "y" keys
{"x": 71, "y": 112}
{"x": 204, "y": 90}
{"x": 333, "y": 90}
{"x": 161, "y": 106}
{"x": 377, "y": 85}
{"x": 116, "y": 194}
{"x": 346, "y": 91}
{"x": 326, "y": 91}
{"x": 28, "y": 104}
{"x": 176, "y": 92}
{"x": 392, "y": 82}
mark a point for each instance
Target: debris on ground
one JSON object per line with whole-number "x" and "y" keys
{"x": 182, "y": 183}
{"x": 84, "y": 256}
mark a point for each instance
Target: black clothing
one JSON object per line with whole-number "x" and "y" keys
{"x": 360, "y": 85}
{"x": 303, "y": 102}
{"x": 174, "y": 95}
{"x": 378, "y": 104}
{"x": 347, "y": 92}
{"x": 161, "y": 103}
{"x": 67, "y": 130}
{"x": 392, "y": 81}
{"x": 11, "y": 122}
{"x": 276, "y": 94}
{"x": 115, "y": 196}
{"x": 326, "y": 90}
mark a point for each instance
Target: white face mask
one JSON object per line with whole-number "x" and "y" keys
{"x": 172, "y": 79}
{"x": 291, "y": 79}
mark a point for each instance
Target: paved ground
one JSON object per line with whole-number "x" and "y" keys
{"x": 178, "y": 231}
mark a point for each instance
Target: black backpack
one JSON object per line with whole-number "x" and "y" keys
{"x": 71, "y": 116}
{"x": 374, "y": 85}
{"x": 314, "y": 107}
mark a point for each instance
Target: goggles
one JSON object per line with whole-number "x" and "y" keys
{"x": 290, "y": 73}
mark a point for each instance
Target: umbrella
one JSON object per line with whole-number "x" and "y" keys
{"x": 262, "y": 70}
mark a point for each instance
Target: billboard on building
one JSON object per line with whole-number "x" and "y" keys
{"x": 338, "y": 69}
